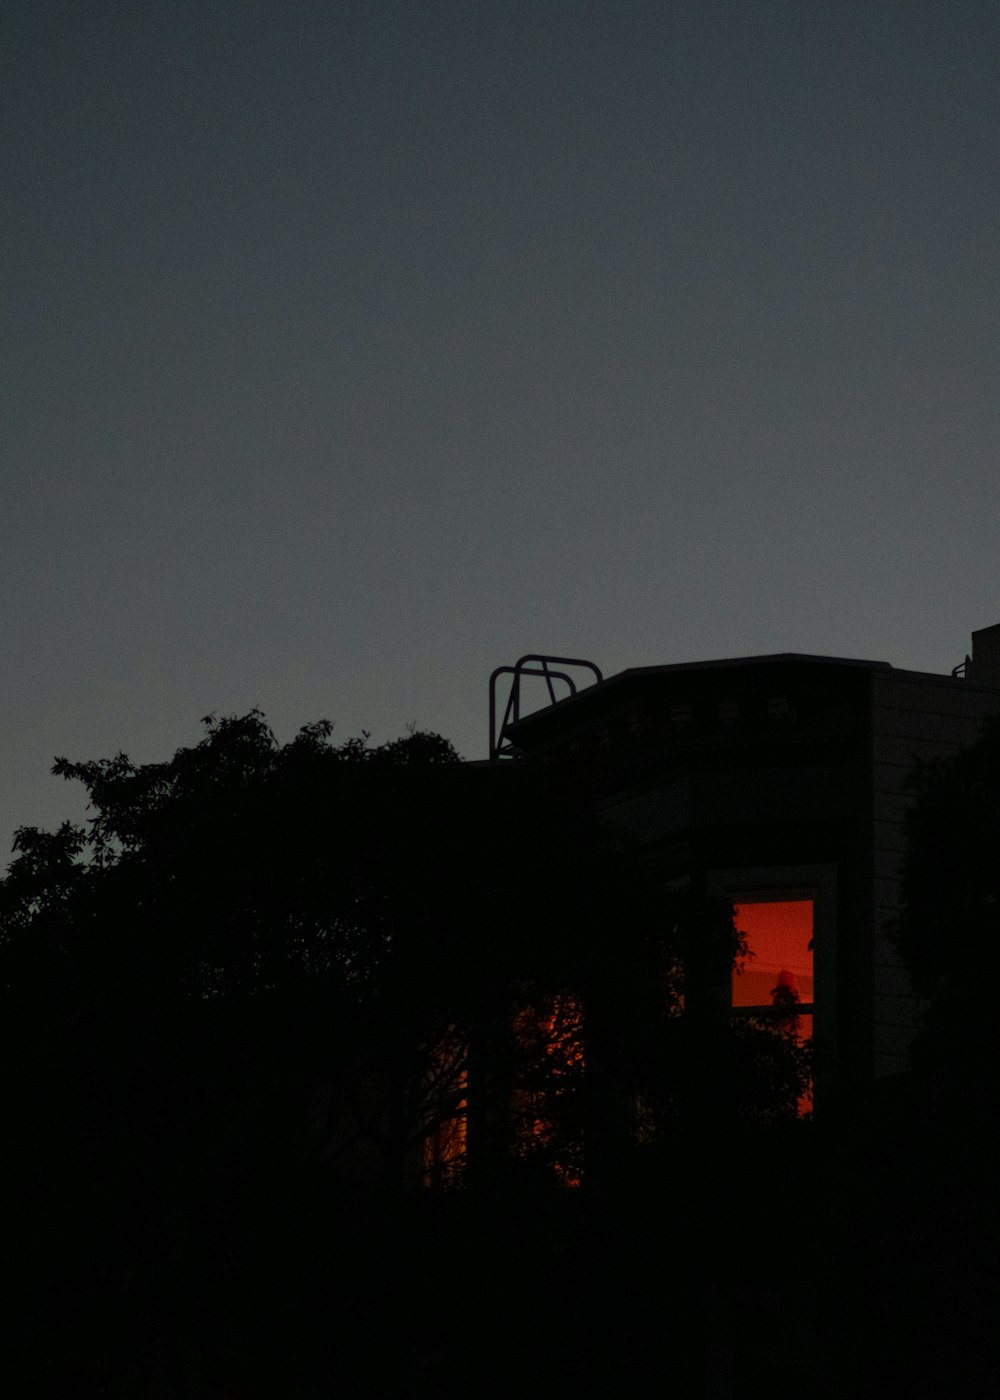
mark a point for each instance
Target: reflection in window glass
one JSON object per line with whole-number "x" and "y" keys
{"x": 777, "y": 972}
{"x": 778, "y": 968}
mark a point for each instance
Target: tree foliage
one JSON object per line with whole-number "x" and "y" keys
{"x": 948, "y": 934}
{"x": 244, "y": 1006}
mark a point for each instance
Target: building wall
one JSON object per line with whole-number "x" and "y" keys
{"x": 913, "y": 717}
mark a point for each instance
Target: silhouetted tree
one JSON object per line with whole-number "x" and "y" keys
{"x": 259, "y": 997}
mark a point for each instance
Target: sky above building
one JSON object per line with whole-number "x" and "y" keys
{"x": 353, "y": 349}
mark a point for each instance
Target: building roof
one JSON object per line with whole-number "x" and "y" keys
{"x": 593, "y": 699}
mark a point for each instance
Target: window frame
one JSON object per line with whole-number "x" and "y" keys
{"x": 764, "y": 884}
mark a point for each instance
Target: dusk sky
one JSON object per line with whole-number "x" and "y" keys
{"x": 355, "y": 348}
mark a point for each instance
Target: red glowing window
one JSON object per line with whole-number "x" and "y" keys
{"x": 778, "y": 966}
{"x": 776, "y": 973}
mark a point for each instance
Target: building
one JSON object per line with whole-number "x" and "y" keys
{"x": 778, "y": 782}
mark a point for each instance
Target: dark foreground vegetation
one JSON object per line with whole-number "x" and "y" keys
{"x": 341, "y": 1070}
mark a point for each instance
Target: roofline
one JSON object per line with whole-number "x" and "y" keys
{"x": 770, "y": 658}
{"x": 635, "y": 673}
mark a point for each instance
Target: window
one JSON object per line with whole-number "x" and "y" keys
{"x": 547, "y": 1102}
{"x": 789, "y": 916}
{"x": 778, "y": 968}
{"x": 775, "y": 978}
{"x": 544, "y": 1083}
{"x": 444, "y": 1108}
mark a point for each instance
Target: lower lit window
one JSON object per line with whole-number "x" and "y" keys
{"x": 546, "y": 1103}
{"x": 545, "y": 1095}
{"x": 443, "y": 1110}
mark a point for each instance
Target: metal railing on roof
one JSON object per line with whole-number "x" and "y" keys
{"x": 538, "y": 667}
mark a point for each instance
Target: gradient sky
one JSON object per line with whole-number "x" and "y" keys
{"x": 355, "y": 348}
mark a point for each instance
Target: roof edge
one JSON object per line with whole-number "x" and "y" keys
{"x": 637, "y": 673}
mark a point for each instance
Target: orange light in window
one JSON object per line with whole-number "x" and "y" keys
{"x": 779, "y": 963}
{"x": 777, "y": 972}
{"x": 554, "y": 1032}
{"x": 445, "y": 1107}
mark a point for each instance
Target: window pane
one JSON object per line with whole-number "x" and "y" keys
{"x": 546, "y": 1107}
{"x": 444, "y": 1109}
{"x": 779, "y": 963}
